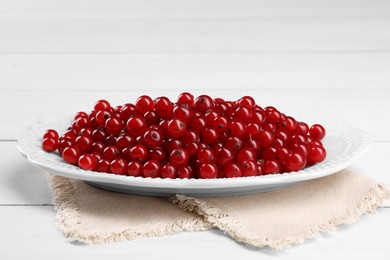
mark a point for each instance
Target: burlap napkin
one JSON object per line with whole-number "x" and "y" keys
{"x": 275, "y": 219}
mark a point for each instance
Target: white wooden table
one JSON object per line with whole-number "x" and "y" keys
{"x": 59, "y": 57}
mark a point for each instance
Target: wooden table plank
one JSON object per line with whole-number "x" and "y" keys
{"x": 250, "y": 26}
{"x": 213, "y": 71}
{"x": 30, "y": 232}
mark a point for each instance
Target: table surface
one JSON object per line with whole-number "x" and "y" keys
{"x": 57, "y": 58}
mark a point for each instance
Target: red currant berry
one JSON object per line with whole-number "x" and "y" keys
{"x": 179, "y": 157}
{"x": 168, "y": 171}
{"x": 136, "y": 125}
{"x": 317, "y": 154}
{"x": 246, "y": 101}
{"x": 163, "y": 107}
{"x": 206, "y": 155}
{"x": 183, "y": 113}
{"x": 111, "y": 152}
{"x": 203, "y": 103}
{"x": 186, "y": 98}
{"x": 153, "y": 139}
{"x": 246, "y": 154}
{"x": 220, "y": 124}
{"x": 103, "y": 165}
{"x": 87, "y": 162}
{"x": 51, "y": 134}
{"x": 176, "y": 128}
{"x": 270, "y": 167}
{"x": 126, "y": 111}
{"x": 232, "y": 170}
{"x": 185, "y": 172}
{"x": 198, "y": 124}
{"x": 210, "y": 136}
{"x": 248, "y": 168}
{"x": 114, "y": 126}
{"x": 50, "y": 144}
{"x": 71, "y": 155}
{"x": 157, "y": 154}
{"x": 152, "y": 169}
{"x": 144, "y": 104}
{"x": 84, "y": 144}
{"x": 295, "y": 162}
{"x": 317, "y": 132}
{"x": 102, "y": 105}
{"x": 224, "y": 156}
{"x": 101, "y": 117}
{"x": 139, "y": 153}
{"x": 125, "y": 141}
{"x": 118, "y": 166}
{"x": 134, "y": 169}
{"x": 208, "y": 171}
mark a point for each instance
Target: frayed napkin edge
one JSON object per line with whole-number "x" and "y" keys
{"x": 68, "y": 219}
{"x": 371, "y": 201}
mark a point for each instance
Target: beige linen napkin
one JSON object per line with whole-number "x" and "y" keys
{"x": 276, "y": 219}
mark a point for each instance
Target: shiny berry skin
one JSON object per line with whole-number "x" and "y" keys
{"x": 179, "y": 157}
{"x": 203, "y": 103}
{"x": 208, "y": 171}
{"x": 102, "y": 105}
{"x": 71, "y": 155}
{"x": 153, "y": 139}
{"x": 246, "y": 154}
{"x": 158, "y": 154}
{"x": 190, "y": 136}
{"x": 234, "y": 144}
{"x": 270, "y": 167}
{"x": 152, "y": 169}
{"x": 63, "y": 143}
{"x": 176, "y": 128}
{"x": 114, "y": 126}
{"x": 103, "y": 165}
{"x": 126, "y": 111}
{"x": 295, "y": 162}
{"x": 118, "y": 166}
{"x": 198, "y": 123}
{"x": 266, "y": 138}
{"x": 210, "y": 136}
{"x": 111, "y": 152}
{"x": 163, "y": 107}
{"x": 302, "y": 128}
{"x": 99, "y": 135}
{"x": 185, "y": 172}
{"x": 224, "y": 156}
{"x": 183, "y": 113}
{"x": 246, "y": 101}
{"x": 144, "y": 104}
{"x": 317, "y": 154}
{"x": 134, "y": 168}
{"x": 289, "y": 124}
{"x": 220, "y": 124}
{"x": 139, "y": 153}
{"x": 317, "y": 132}
{"x": 84, "y": 144}
{"x": 124, "y": 141}
{"x": 243, "y": 114}
{"x": 186, "y": 98}
{"x": 152, "y": 118}
{"x": 51, "y": 134}
{"x": 236, "y": 128}
{"x": 168, "y": 171}
{"x": 232, "y": 170}
{"x": 136, "y": 125}
{"x": 248, "y": 168}
{"x": 101, "y": 117}
{"x": 87, "y": 162}
{"x": 206, "y": 155}
{"x": 97, "y": 147}
{"x": 50, "y": 144}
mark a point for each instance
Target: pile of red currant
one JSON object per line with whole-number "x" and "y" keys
{"x": 191, "y": 138}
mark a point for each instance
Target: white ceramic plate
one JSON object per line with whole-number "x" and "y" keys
{"x": 344, "y": 144}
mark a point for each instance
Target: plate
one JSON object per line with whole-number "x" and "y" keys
{"x": 344, "y": 144}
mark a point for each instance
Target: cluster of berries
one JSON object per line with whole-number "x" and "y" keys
{"x": 200, "y": 137}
